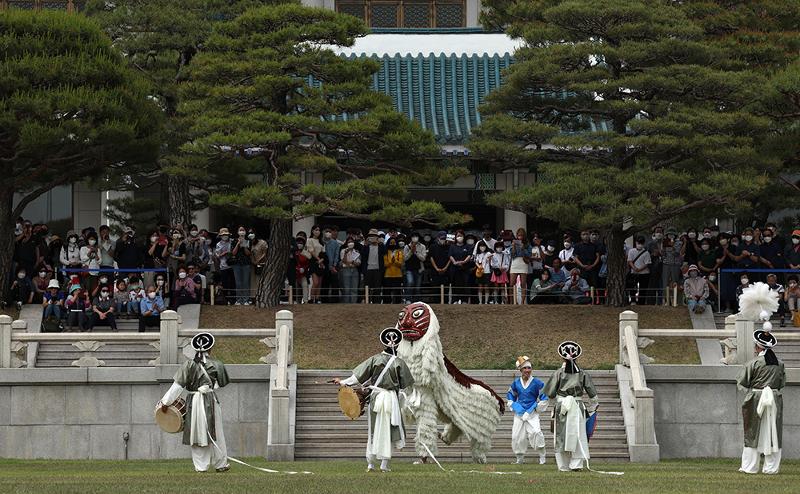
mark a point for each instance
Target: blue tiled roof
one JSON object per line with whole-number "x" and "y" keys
{"x": 441, "y": 92}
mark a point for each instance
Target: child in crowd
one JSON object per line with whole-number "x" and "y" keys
{"x": 791, "y": 296}
{"x": 500, "y": 262}
{"x": 122, "y": 298}
{"x": 135, "y": 295}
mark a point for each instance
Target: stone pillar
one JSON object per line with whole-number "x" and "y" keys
{"x": 512, "y": 220}
{"x": 745, "y": 346}
{"x": 626, "y": 318}
{"x": 5, "y": 341}
{"x": 285, "y": 318}
{"x": 169, "y": 337}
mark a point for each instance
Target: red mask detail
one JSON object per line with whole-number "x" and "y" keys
{"x": 414, "y": 321}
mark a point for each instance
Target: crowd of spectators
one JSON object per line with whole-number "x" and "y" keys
{"x": 109, "y": 277}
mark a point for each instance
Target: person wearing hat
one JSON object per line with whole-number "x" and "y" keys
{"x": 567, "y": 385}
{"x": 792, "y": 252}
{"x": 53, "y": 303}
{"x": 762, "y": 380}
{"x": 373, "y": 254}
{"x": 695, "y": 288}
{"x": 78, "y": 304}
{"x": 385, "y": 374}
{"x": 526, "y": 399}
{"x": 222, "y": 258}
{"x": 200, "y": 378}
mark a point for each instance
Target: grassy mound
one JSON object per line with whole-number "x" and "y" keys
{"x": 474, "y": 337}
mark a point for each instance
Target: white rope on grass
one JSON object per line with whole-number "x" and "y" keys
{"x": 463, "y": 471}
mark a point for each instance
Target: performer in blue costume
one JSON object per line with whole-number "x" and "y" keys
{"x": 526, "y": 399}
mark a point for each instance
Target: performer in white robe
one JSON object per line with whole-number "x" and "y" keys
{"x": 567, "y": 386}
{"x": 526, "y": 400}
{"x": 385, "y": 374}
{"x": 203, "y": 422}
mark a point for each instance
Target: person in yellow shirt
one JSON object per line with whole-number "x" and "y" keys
{"x": 392, "y": 273}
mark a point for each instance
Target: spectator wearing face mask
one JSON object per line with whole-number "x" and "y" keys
{"x": 791, "y": 297}
{"x": 550, "y": 254}
{"x": 567, "y": 254}
{"x": 777, "y": 288}
{"x": 104, "y": 280}
{"x": 157, "y": 253}
{"x": 78, "y": 304}
{"x": 487, "y": 239}
{"x": 393, "y": 272}
{"x": 137, "y": 293}
{"x": 588, "y": 258}
{"x": 302, "y": 261}
{"x": 537, "y": 259}
{"x": 692, "y": 250}
{"x": 770, "y": 252}
{"x": 122, "y": 298}
{"x": 655, "y": 246}
{"x": 792, "y": 252}
{"x": 333, "y": 247}
{"x": 21, "y": 291}
{"x": 500, "y": 264}
{"x": 483, "y": 271}
{"x": 639, "y": 272}
{"x": 672, "y": 260}
{"x": 71, "y": 252}
{"x": 150, "y": 308}
{"x": 222, "y": 261}
{"x": 709, "y": 259}
{"x": 696, "y": 290}
{"x": 240, "y": 262}
{"x": 713, "y": 290}
{"x": 197, "y": 252}
{"x": 39, "y": 284}
{"x": 414, "y": 255}
{"x": 316, "y": 246}
{"x": 127, "y": 252}
{"x": 749, "y": 251}
{"x": 103, "y": 310}
{"x": 576, "y": 288}
{"x": 185, "y": 291}
{"x": 373, "y": 254}
{"x": 349, "y": 270}
{"x": 53, "y": 301}
{"x": 439, "y": 255}
{"x": 90, "y": 260}
{"x": 163, "y": 288}
{"x": 744, "y": 282}
{"x": 460, "y": 262}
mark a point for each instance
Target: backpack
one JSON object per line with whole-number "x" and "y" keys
{"x": 52, "y": 325}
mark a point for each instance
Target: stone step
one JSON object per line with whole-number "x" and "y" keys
{"x": 108, "y": 363}
{"x": 456, "y": 456}
{"x": 361, "y": 425}
{"x": 334, "y": 408}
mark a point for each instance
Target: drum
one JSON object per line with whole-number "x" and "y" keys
{"x": 172, "y": 420}
{"x": 353, "y": 401}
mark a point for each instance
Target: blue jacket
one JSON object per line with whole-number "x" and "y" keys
{"x": 525, "y": 399}
{"x": 150, "y": 305}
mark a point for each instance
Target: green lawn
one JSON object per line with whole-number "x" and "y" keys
{"x": 141, "y": 477}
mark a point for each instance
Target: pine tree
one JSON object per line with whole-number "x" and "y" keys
{"x": 300, "y": 132}
{"x": 160, "y": 38}
{"x": 679, "y": 127}
{"x": 70, "y": 110}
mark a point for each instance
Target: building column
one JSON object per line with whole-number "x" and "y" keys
{"x": 513, "y": 220}
{"x": 111, "y": 195}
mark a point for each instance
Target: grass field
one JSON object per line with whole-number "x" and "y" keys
{"x": 336, "y": 336}
{"x": 177, "y": 477}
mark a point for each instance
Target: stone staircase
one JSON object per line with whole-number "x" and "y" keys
{"x": 323, "y": 433}
{"x": 113, "y": 354}
{"x": 787, "y": 351}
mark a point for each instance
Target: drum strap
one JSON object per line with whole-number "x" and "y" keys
{"x": 205, "y": 373}
{"x": 384, "y": 371}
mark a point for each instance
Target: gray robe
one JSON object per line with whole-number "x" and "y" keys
{"x": 190, "y": 377}
{"x": 396, "y": 378}
{"x": 563, "y": 384}
{"x": 755, "y": 376}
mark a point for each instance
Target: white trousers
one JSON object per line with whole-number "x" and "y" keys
{"x": 526, "y": 433}
{"x": 206, "y": 457}
{"x": 751, "y": 459}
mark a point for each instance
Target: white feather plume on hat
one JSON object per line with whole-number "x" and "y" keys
{"x": 758, "y": 302}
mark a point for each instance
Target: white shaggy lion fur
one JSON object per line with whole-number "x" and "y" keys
{"x": 473, "y": 411}
{"x": 757, "y": 299}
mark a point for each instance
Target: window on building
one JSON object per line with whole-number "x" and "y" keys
{"x": 406, "y": 13}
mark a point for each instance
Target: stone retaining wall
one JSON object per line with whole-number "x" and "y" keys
{"x": 698, "y": 411}
{"x": 83, "y": 413}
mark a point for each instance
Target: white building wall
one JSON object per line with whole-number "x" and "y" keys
{"x": 87, "y": 207}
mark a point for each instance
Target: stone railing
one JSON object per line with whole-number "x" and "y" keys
{"x": 173, "y": 344}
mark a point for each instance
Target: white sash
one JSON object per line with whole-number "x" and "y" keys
{"x": 572, "y": 427}
{"x": 767, "y": 430}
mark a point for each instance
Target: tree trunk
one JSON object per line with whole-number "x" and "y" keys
{"x": 180, "y": 201}
{"x": 270, "y": 285}
{"x": 615, "y": 288}
{"x": 6, "y": 239}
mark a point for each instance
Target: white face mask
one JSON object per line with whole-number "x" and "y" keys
{"x": 745, "y": 281}
{"x": 160, "y": 282}
{"x": 471, "y": 242}
{"x": 153, "y": 239}
{"x": 723, "y": 241}
{"x": 181, "y": 275}
{"x": 792, "y": 284}
{"x": 193, "y": 233}
{"x": 658, "y": 236}
{"x": 351, "y": 245}
{"x": 706, "y": 234}
{"x": 327, "y": 234}
{"x": 401, "y": 244}
{"x": 415, "y": 239}
{"x": 104, "y": 294}
{"x": 767, "y": 239}
{"x": 795, "y": 241}
{"x": 712, "y": 278}
{"x": 567, "y": 245}
{"x": 705, "y": 247}
{"x": 176, "y": 236}
{"x": 460, "y": 239}
{"x": 21, "y": 276}
{"x": 251, "y": 236}
{"x": 73, "y": 240}
{"x": 92, "y": 241}
{"x": 692, "y": 235}
{"x": 550, "y": 248}
{"x": 151, "y": 295}
{"x": 103, "y": 280}
{"x": 42, "y": 274}
{"x": 748, "y": 238}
